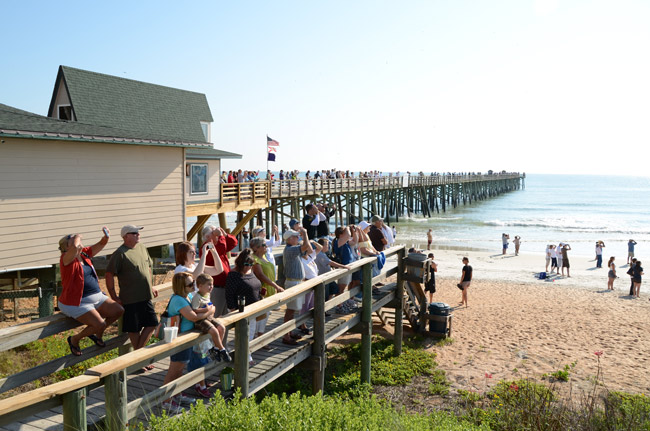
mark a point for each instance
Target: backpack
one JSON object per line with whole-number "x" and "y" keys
{"x": 542, "y": 275}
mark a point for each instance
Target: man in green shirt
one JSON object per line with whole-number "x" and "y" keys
{"x": 133, "y": 267}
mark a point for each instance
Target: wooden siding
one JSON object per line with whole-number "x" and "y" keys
{"x": 214, "y": 182}
{"x": 49, "y": 189}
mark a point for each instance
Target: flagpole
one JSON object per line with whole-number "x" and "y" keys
{"x": 267, "y": 157}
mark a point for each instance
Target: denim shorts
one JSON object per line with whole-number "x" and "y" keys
{"x": 182, "y": 356}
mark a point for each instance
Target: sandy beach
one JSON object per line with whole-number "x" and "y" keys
{"x": 517, "y": 326}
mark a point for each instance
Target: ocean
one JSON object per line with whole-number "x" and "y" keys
{"x": 577, "y": 209}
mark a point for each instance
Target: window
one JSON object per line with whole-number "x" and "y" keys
{"x": 65, "y": 113}
{"x": 199, "y": 179}
{"x": 206, "y": 130}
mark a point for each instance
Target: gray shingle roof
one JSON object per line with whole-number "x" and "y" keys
{"x": 126, "y": 104}
{"x": 22, "y": 124}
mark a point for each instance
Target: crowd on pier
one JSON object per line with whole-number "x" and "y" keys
{"x": 206, "y": 287}
{"x": 244, "y": 176}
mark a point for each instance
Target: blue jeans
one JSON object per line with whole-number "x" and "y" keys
{"x": 599, "y": 261}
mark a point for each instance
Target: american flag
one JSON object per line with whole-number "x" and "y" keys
{"x": 271, "y": 142}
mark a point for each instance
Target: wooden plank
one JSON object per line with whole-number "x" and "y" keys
{"x": 20, "y": 403}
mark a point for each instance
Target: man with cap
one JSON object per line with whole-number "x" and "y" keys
{"x": 294, "y": 272}
{"x": 223, "y": 243}
{"x": 376, "y": 235}
{"x": 312, "y": 219}
{"x": 133, "y": 267}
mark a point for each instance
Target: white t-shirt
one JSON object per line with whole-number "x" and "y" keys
{"x": 388, "y": 233}
{"x": 270, "y": 243}
{"x": 309, "y": 265}
{"x": 553, "y": 253}
{"x": 183, "y": 268}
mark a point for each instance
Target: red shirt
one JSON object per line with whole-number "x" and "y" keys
{"x": 223, "y": 245}
{"x": 72, "y": 278}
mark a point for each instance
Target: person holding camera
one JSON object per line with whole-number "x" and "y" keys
{"x": 599, "y": 254}
{"x": 186, "y": 260}
{"x": 504, "y": 239}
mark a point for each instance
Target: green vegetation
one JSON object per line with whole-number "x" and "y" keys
{"x": 563, "y": 374}
{"x": 301, "y": 413}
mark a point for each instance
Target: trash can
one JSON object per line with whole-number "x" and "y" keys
{"x": 439, "y": 309}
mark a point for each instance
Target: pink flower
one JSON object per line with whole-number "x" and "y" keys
{"x": 598, "y": 353}
{"x": 514, "y": 387}
{"x": 488, "y": 375}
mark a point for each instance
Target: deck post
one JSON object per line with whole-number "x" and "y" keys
{"x": 366, "y": 324}
{"x": 74, "y": 411}
{"x": 241, "y": 356}
{"x": 399, "y": 302}
{"x": 318, "y": 347}
{"x": 116, "y": 401}
{"x": 47, "y": 286}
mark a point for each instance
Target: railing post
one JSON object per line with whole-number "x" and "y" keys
{"x": 399, "y": 297}
{"x": 318, "y": 347}
{"x": 366, "y": 324}
{"x": 241, "y": 356}
{"x": 116, "y": 401}
{"x": 74, "y": 411}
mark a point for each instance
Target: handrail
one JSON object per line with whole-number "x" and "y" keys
{"x": 112, "y": 373}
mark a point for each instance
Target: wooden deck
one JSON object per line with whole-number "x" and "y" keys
{"x": 269, "y": 366}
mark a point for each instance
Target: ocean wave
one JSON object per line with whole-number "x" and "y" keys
{"x": 564, "y": 226}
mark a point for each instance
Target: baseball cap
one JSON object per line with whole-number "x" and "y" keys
{"x": 129, "y": 228}
{"x": 363, "y": 224}
{"x": 256, "y": 231}
{"x": 293, "y": 222}
{"x": 375, "y": 219}
{"x": 288, "y": 234}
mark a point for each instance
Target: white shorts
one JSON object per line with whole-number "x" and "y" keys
{"x": 297, "y": 303}
{"x": 346, "y": 279}
{"x": 88, "y": 303}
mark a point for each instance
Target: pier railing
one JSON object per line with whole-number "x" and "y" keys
{"x": 440, "y": 180}
{"x": 302, "y": 187}
{"x": 72, "y": 393}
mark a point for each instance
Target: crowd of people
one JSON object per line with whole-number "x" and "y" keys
{"x": 205, "y": 287}
{"x": 244, "y": 176}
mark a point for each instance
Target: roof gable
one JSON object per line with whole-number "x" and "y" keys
{"x": 137, "y": 106}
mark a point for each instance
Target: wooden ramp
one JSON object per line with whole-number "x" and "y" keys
{"x": 270, "y": 364}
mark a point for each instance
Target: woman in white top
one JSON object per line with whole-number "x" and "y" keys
{"x": 274, "y": 241}
{"x": 185, "y": 260}
{"x": 548, "y": 256}
{"x": 311, "y": 271}
{"x": 554, "y": 259}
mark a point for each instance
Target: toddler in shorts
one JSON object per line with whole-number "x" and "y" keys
{"x": 209, "y": 325}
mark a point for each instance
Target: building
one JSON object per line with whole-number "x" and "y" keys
{"x": 112, "y": 151}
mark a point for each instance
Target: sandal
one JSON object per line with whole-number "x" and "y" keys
{"x": 98, "y": 341}
{"x": 289, "y": 341}
{"x": 74, "y": 349}
{"x": 148, "y": 368}
{"x": 295, "y": 336}
{"x": 305, "y": 331}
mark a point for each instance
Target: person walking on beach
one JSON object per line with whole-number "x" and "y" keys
{"x": 504, "y": 239}
{"x": 630, "y": 272}
{"x": 429, "y": 238}
{"x": 599, "y": 254}
{"x": 553, "y": 252}
{"x": 630, "y": 250}
{"x": 558, "y": 255}
{"x": 611, "y": 275}
{"x": 517, "y": 243}
{"x": 565, "y": 259}
{"x": 637, "y": 272}
{"x": 465, "y": 280}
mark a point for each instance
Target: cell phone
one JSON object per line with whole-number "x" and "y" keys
{"x": 209, "y": 246}
{"x": 105, "y": 231}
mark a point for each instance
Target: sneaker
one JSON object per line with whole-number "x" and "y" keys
{"x": 351, "y": 304}
{"x": 204, "y": 392}
{"x": 214, "y": 354}
{"x": 358, "y": 297}
{"x": 172, "y": 407}
{"x": 341, "y": 309}
{"x": 225, "y": 355}
{"x": 183, "y": 398}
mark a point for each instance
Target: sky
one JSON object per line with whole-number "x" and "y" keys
{"x": 536, "y": 86}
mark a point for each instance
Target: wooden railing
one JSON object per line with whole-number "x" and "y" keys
{"x": 245, "y": 192}
{"x": 439, "y": 180}
{"x": 302, "y": 187}
{"x": 71, "y": 394}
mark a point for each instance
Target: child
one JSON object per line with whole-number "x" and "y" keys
{"x": 430, "y": 286}
{"x": 210, "y": 325}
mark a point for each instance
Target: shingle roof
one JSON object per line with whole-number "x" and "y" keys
{"x": 22, "y": 124}
{"x": 210, "y": 154}
{"x": 132, "y": 105}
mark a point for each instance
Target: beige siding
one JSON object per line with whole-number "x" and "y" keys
{"x": 49, "y": 189}
{"x": 214, "y": 169}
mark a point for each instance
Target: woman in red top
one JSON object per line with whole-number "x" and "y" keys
{"x": 81, "y": 297}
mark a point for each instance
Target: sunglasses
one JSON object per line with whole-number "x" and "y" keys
{"x": 134, "y": 233}
{"x": 248, "y": 263}
{"x": 193, "y": 283}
